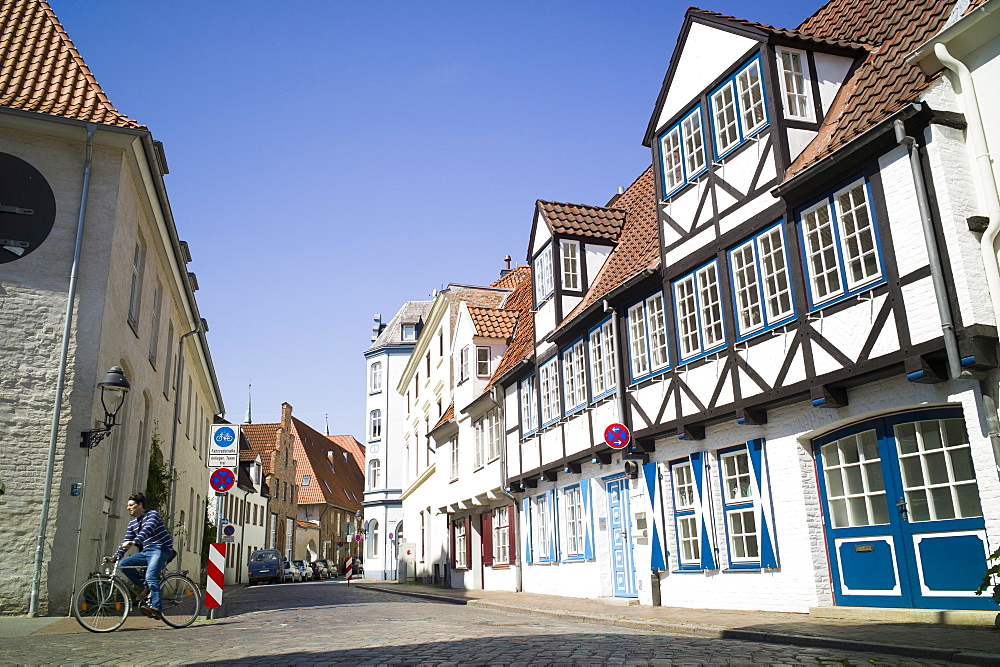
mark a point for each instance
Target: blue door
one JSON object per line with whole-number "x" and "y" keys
{"x": 904, "y": 522}
{"x": 622, "y": 563}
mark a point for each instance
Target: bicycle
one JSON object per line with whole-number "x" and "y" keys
{"x": 104, "y": 601}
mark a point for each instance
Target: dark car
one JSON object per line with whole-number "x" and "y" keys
{"x": 264, "y": 565}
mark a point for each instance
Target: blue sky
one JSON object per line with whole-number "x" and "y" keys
{"x": 331, "y": 160}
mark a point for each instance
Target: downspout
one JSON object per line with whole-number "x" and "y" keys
{"x": 619, "y": 365}
{"x": 177, "y": 415}
{"x": 518, "y": 571}
{"x": 983, "y": 172}
{"x": 61, "y": 374}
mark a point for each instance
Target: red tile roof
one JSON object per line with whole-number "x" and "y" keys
{"x": 352, "y": 447}
{"x": 882, "y": 83}
{"x": 41, "y": 70}
{"x": 783, "y": 32}
{"x": 639, "y": 245}
{"x": 493, "y": 322}
{"x": 512, "y": 279}
{"x": 335, "y": 475}
{"x": 448, "y": 415}
{"x": 582, "y": 220}
{"x": 263, "y": 440}
{"x": 522, "y": 344}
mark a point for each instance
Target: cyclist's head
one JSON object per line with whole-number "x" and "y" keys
{"x": 137, "y": 501}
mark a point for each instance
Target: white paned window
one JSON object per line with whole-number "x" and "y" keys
{"x": 939, "y": 480}
{"x": 739, "y": 507}
{"x": 699, "y": 311}
{"x": 637, "y": 340}
{"x": 647, "y": 336}
{"x": 376, "y": 377}
{"x": 542, "y": 274}
{"x": 483, "y": 362}
{"x": 570, "y": 251}
{"x": 751, "y": 92}
{"x": 855, "y": 488}
{"x": 463, "y": 364}
{"x": 840, "y": 244}
{"x": 461, "y": 545}
{"x": 760, "y": 281}
{"x": 727, "y": 132}
{"x": 479, "y": 430}
{"x": 687, "y": 521}
{"x": 656, "y": 326}
{"x": 529, "y": 397}
{"x": 375, "y": 425}
{"x": 501, "y": 536}
{"x": 409, "y": 332}
{"x": 374, "y": 474}
{"x": 493, "y": 432}
{"x": 548, "y": 383}
{"x": 574, "y": 522}
{"x": 602, "y": 359}
{"x": 135, "y": 293}
{"x": 574, "y": 376}
{"x": 795, "y": 87}
{"x": 671, "y": 156}
{"x": 542, "y": 528}
{"x": 453, "y": 446}
{"x": 694, "y": 143}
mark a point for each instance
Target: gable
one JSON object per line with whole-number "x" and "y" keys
{"x": 702, "y": 55}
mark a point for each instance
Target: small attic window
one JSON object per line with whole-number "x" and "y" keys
{"x": 345, "y": 456}
{"x": 795, "y": 85}
{"x": 409, "y": 332}
{"x": 306, "y": 479}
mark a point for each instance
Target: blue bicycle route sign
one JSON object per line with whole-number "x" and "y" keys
{"x": 224, "y": 448}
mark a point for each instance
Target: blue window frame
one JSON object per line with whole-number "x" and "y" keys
{"x": 548, "y": 387}
{"x": 762, "y": 288}
{"x": 574, "y": 369}
{"x": 698, "y": 311}
{"x": 542, "y": 275}
{"x": 579, "y": 542}
{"x": 682, "y": 152}
{"x": 746, "y": 506}
{"x": 528, "y": 398}
{"x": 738, "y": 108}
{"x": 692, "y": 514}
{"x": 601, "y": 345}
{"x": 541, "y": 543}
{"x": 647, "y": 337}
{"x": 840, "y": 245}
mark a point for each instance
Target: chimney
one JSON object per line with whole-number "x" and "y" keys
{"x": 377, "y": 326}
{"x": 506, "y": 269}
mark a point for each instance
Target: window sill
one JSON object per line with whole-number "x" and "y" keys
{"x": 749, "y": 567}
{"x": 501, "y": 566}
{"x": 575, "y": 559}
{"x": 688, "y": 570}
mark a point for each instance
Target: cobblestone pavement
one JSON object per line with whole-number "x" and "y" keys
{"x": 327, "y": 622}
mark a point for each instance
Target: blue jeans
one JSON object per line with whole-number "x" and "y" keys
{"x": 153, "y": 559}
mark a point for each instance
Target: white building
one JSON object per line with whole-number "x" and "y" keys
{"x": 385, "y": 360}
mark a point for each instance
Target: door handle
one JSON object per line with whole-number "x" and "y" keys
{"x": 902, "y": 507}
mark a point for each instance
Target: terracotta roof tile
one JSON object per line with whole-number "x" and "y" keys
{"x": 352, "y": 447}
{"x": 335, "y": 476}
{"x": 800, "y": 35}
{"x": 882, "y": 82}
{"x": 493, "y": 322}
{"x": 513, "y": 278}
{"x": 41, "y": 70}
{"x": 638, "y": 246}
{"x": 263, "y": 440}
{"x": 582, "y": 220}
{"x": 448, "y": 415}
{"x": 522, "y": 344}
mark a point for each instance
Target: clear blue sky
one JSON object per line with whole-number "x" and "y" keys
{"x": 331, "y": 160}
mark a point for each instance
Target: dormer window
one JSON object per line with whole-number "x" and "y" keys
{"x": 682, "y": 152}
{"x": 570, "y": 252}
{"x": 409, "y": 332}
{"x": 543, "y": 275}
{"x": 795, "y": 85}
{"x": 306, "y": 480}
{"x": 738, "y": 109}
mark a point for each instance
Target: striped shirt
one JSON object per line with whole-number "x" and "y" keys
{"x": 147, "y": 531}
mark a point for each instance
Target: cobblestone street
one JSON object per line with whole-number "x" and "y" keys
{"x": 327, "y": 622}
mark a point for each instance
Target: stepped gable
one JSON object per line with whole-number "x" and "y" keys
{"x": 493, "y": 322}
{"x": 882, "y": 82}
{"x": 339, "y": 482}
{"x": 522, "y": 343}
{"x": 263, "y": 439}
{"x": 581, "y": 220}
{"x": 41, "y": 70}
{"x": 638, "y": 247}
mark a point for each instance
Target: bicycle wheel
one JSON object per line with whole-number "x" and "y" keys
{"x": 181, "y": 600}
{"x": 101, "y": 604}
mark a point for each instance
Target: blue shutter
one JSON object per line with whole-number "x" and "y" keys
{"x": 768, "y": 543}
{"x": 706, "y": 526}
{"x": 526, "y": 534}
{"x": 588, "y": 532}
{"x": 651, "y": 475}
{"x": 553, "y": 525}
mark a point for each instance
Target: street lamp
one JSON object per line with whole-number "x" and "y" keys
{"x": 114, "y": 383}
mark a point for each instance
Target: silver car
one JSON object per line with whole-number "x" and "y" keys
{"x": 292, "y": 572}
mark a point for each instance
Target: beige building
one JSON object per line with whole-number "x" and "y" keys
{"x": 92, "y": 275}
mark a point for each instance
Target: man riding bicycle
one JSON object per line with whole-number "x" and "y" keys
{"x": 147, "y": 532}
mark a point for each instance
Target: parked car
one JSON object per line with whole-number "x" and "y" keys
{"x": 319, "y": 567}
{"x": 264, "y": 565}
{"x": 305, "y": 569}
{"x": 292, "y": 572}
{"x": 331, "y": 567}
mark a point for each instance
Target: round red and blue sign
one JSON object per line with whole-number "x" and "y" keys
{"x": 617, "y": 436}
{"x": 222, "y": 480}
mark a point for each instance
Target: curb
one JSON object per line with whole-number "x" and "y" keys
{"x": 717, "y": 632}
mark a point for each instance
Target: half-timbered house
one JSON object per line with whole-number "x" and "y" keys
{"x": 791, "y": 313}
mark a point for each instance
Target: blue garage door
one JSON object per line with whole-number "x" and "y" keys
{"x": 904, "y": 522}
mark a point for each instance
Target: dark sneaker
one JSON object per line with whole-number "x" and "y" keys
{"x": 152, "y": 613}
{"x": 144, "y": 595}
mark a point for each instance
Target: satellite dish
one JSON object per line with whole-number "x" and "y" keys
{"x": 27, "y": 208}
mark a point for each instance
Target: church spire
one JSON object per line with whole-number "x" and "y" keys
{"x": 249, "y": 418}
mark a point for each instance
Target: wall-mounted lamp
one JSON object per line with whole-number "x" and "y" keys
{"x": 114, "y": 383}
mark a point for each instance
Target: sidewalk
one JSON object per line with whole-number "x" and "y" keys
{"x": 973, "y": 644}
